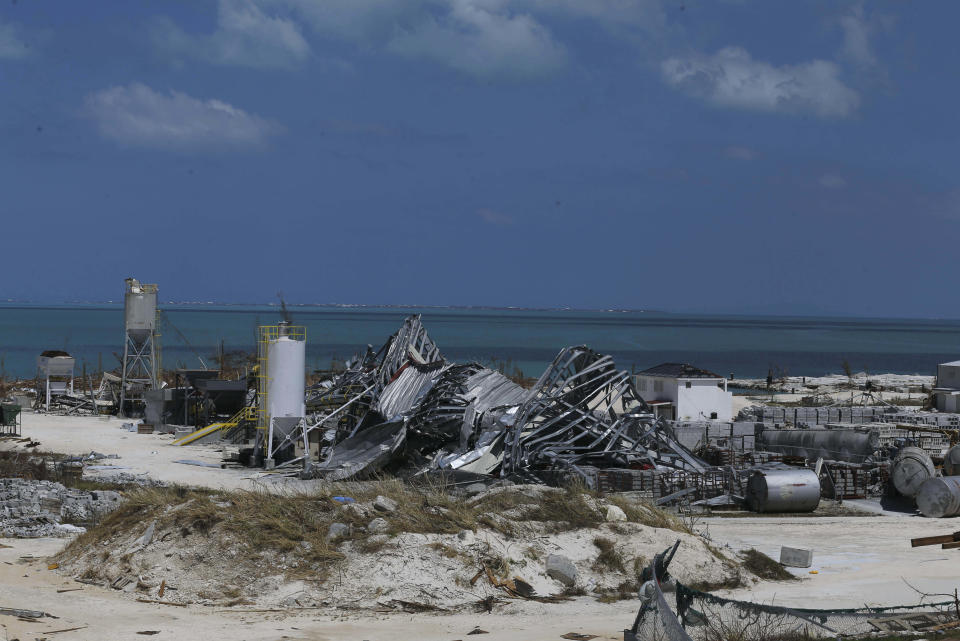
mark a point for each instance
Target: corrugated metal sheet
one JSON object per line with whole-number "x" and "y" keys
{"x": 488, "y": 389}
{"x": 405, "y": 392}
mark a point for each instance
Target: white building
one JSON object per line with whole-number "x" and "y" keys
{"x": 946, "y": 393}
{"x": 682, "y": 392}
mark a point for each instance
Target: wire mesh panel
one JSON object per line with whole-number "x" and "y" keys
{"x": 707, "y": 617}
{"x": 701, "y": 616}
{"x": 656, "y": 621}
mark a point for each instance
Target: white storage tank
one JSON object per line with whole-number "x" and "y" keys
{"x": 286, "y": 381}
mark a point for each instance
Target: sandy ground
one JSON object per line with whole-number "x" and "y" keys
{"x": 140, "y": 454}
{"x": 107, "y": 616}
{"x": 857, "y": 560}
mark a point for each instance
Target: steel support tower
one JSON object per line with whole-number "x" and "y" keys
{"x": 141, "y": 360}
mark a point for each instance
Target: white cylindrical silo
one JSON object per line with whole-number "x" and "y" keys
{"x": 140, "y": 309}
{"x": 286, "y": 382}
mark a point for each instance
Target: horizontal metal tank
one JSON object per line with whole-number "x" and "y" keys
{"x": 286, "y": 382}
{"x": 951, "y": 461}
{"x": 939, "y": 497}
{"x": 851, "y": 445}
{"x": 140, "y": 308}
{"x": 910, "y": 469}
{"x": 796, "y": 490}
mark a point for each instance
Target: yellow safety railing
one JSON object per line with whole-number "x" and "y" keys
{"x": 266, "y": 334}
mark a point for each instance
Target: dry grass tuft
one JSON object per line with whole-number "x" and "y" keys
{"x": 609, "y": 557}
{"x": 764, "y": 567}
{"x": 649, "y": 514}
{"x": 566, "y": 509}
{"x": 732, "y": 582}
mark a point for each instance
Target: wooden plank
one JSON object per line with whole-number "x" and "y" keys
{"x": 935, "y": 540}
{"x": 950, "y": 546}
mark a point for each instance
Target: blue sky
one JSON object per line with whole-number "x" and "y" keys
{"x": 764, "y": 157}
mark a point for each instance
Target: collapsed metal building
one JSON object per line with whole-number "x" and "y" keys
{"x": 405, "y": 410}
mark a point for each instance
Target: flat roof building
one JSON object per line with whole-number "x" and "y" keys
{"x": 683, "y": 392}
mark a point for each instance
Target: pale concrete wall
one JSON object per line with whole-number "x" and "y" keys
{"x": 948, "y": 376}
{"x": 702, "y": 398}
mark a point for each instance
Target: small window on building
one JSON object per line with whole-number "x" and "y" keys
{"x": 688, "y": 385}
{"x": 658, "y": 386}
{"x": 642, "y": 384}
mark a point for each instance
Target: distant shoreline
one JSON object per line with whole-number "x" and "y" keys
{"x": 11, "y": 303}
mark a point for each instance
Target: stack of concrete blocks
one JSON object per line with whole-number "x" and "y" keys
{"x": 932, "y": 443}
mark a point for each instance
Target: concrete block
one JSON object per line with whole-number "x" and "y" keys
{"x": 562, "y": 569}
{"x": 614, "y": 513}
{"x": 796, "y": 557}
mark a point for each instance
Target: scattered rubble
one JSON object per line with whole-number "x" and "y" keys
{"x": 31, "y": 509}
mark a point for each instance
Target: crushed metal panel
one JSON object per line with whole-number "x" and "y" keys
{"x": 584, "y": 411}
{"x": 406, "y": 390}
{"x": 363, "y": 454}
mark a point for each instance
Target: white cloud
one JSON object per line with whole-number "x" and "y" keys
{"x": 484, "y": 38}
{"x": 832, "y": 181}
{"x": 859, "y": 29}
{"x": 12, "y": 46}
{"x": 856, "y": 38}
{"x": 245, "y": 36}
{"x": 483, "y": 42}
{"x": 732, "y": 78}
{"x": 137, "y": 115}
{"x": 492, "y": 217}
{"x": 741, "y": 153}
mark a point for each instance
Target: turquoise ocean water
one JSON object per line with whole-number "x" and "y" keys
{"x": 528, "y": 339}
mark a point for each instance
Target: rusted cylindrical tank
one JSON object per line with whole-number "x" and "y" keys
{"x": 910, "y": 469}
{"x": 939, "y": 497}
{"x": 783, "y": 491}
{"x": 951, "y": 461}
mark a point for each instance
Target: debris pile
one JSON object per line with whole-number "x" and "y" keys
{"x": 405, "y": 409}
{"x": 31, "y": 509}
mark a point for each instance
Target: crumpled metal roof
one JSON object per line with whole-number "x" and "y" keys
{"x": 405, "y": 391}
